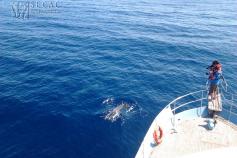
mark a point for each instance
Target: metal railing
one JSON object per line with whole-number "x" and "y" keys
{"x": 230, "y": 106}
{"x": 187, "y": 100}
{"x": 199, "y": 99}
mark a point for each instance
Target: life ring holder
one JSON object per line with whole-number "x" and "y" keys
{"x": 158, "y": 135}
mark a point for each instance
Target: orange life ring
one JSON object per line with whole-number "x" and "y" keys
{"x": 157, "y": 135}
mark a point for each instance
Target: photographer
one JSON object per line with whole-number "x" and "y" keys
{"x": 215, "y": 73}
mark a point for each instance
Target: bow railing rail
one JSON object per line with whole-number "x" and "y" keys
{"x": 199, "y": 99}
{"x": 188, "y": 101}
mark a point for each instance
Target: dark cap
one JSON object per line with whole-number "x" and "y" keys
{"x": 215, "y": 62}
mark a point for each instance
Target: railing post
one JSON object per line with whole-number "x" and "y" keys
{"x": 201, "y": 106}
{"x": 232, "y": 102}
{"x": 174, "y": 122}
{"x": 174, "y": 107}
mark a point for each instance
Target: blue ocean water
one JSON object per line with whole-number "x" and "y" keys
{"x": 57, "y": 69}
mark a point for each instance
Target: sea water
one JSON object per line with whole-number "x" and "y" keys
{"x": 62, "y": 61}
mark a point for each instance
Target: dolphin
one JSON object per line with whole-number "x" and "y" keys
{"x": 108, "y": 101}
{"x": 116, "y": 112}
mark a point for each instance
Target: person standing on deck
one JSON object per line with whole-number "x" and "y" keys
{"x": 215, "y": 74}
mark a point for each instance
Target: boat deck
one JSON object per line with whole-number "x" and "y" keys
{"x": 193, "y": 136}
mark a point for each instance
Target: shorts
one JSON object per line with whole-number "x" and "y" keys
{"x": 213, "y": 88}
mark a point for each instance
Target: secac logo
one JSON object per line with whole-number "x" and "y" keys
{"x": 25, "y": 9}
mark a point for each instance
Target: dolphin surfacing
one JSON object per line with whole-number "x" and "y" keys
{"x": 115, "y": 113}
